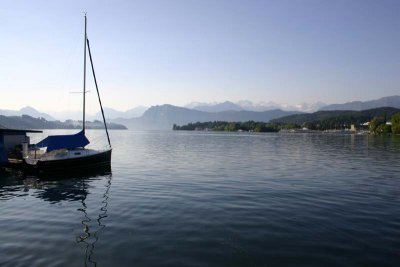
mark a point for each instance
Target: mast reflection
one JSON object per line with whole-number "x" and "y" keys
{"x": 88, "y": 237}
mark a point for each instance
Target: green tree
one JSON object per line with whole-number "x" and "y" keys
{"x": 375, "y": 123}
{"x": 383, "y": 129}
{"x": 396, "y": 123}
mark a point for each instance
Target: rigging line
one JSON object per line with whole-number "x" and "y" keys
{"x": 98, "y": 94}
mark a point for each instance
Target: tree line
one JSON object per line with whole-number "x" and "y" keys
{"x": 338, "y": 119}
{"x": 248, "y": 126}
{"x": 377, "y": 125}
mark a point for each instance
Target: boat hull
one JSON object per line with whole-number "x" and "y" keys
{"x": 97, "y": 161}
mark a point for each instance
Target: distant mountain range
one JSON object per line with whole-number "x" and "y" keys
{"x": 215, "y": 107}
{"x": 113, "y": 113}
{"x": 389, "y": 101}
{"x": 26, "y": 111}
{"x": 28, "y": 122}
{"x": 110, "y": 114}
{"x": 164, "y": 116}
{"x": 250, "y": 106}
{"x": 338, "y": 116}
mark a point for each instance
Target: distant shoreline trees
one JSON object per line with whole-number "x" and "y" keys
{"x": 248, "y": 126}
{"x": 396, "y": 123}
{"x": 378, "y": 125}
{"x": 339, "y": 119}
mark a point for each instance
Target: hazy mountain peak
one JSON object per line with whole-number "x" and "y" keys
{"x": 251, "y": 106}
{"x": 110, "y": 113}
{"x": 26, "y": 111}
{"x": 388, "y": 101}
{"x": 217, "y": 107}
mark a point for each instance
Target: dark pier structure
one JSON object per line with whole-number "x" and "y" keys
{"x": 11, "y": 146}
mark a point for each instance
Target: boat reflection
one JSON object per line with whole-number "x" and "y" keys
{"x": 68, "y": 188}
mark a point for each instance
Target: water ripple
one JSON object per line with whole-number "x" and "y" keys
{"x": 213, "y": 199}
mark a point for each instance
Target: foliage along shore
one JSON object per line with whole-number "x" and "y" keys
{"x": 378, "y": 125}
{"x": 338, "y": 119}
{"x": 249, "y": 126}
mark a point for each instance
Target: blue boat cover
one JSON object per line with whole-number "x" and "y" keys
{"x": 54, "y": 142}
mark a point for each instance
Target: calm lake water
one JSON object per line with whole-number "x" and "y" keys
{"x": 212, "y": 199}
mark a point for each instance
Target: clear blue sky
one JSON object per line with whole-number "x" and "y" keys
{"x": 156, "y": 52}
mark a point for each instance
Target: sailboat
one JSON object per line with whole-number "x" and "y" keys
{"x": 65, "y": 153}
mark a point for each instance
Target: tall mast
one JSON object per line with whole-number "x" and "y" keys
{"x": 84, "y": 77}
